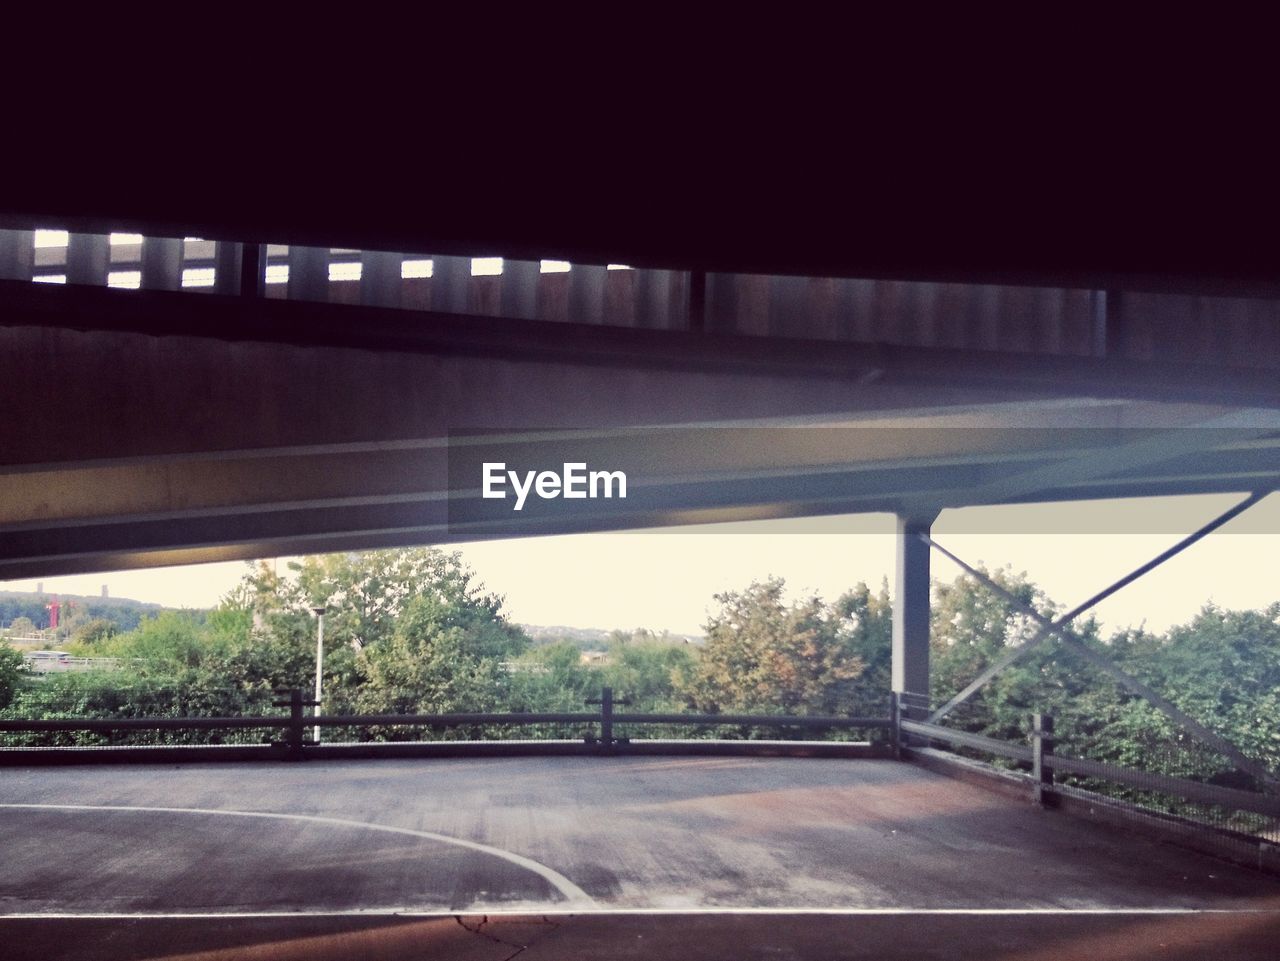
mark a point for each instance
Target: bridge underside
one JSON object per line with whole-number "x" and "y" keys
{"x": 159, "y": 427}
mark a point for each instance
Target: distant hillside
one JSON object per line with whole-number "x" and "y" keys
{"x": 594, "y": 638}
{"x": 124, "y": 612}
{"x": 546, "y": 634}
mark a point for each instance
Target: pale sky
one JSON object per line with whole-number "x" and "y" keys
{"x": 665, "y": 578}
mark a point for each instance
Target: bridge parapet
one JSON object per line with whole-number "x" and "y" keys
{"x": 1212, "y": 327}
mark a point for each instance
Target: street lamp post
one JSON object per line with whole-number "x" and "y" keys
{"x": 319, "y": 613}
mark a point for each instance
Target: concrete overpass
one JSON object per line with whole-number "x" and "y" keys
{"x": 163, "y": 425}
{"x": 171, "y": 424}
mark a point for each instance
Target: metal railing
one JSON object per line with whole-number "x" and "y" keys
{"x": 1243, "y": 824}
{"x": 1047, "y": 765}
{"x": 593, "y": 732}
{"x": 53, "y": 665}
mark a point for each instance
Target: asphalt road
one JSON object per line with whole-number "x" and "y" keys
{"x": 323, "y": 843}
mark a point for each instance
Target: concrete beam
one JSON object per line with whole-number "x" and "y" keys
{"x": 1186, "y": 442}
{"x": 821, "y": 464}
{"x": 147, "y": 423}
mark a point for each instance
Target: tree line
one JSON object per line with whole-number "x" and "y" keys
{"x": 413, "y": 631}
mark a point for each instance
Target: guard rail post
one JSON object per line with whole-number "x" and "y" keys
{"x": 895, "y": 730}
{"x": 1042, "y": 743}
{"x": 295, "y": 733}
{"x": 606, "y": 702}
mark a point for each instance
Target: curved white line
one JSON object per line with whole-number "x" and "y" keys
{"x": 573, "y": 894}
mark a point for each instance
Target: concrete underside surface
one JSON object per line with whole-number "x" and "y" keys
{"x": 320, "y": 844}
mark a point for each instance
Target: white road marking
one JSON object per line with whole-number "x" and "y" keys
{"x": 573, "y": 894}
{"x": 518, "y": 912}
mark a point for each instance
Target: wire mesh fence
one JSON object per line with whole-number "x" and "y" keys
{"x": 512, "y": 730}
{"x": 95, "y": 699}
{"x": 780, "y": 731}
{"x": 1156, "y": 773}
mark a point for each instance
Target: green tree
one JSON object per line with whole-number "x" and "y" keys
{"x": 552, "y": 677}
{"x": 765, "y": 655}
{"x": 169, "y": 641}
{"x": 972, "y": 626}
{"x": 367, "y": 593}
{"x": 1223, "y": 669}
{"x": 12, "y": 669}
{"x": 430, "y": 638}
{"x": 22, "y": 627}
{"x": 645, "y": 671}
{"x": 866, "y": 621}
{"x": 91, "y": 636}
{"x": 435, "y": 662}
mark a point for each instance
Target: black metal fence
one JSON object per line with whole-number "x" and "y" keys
{"x": 292, "y": 736}
{"x": 1239, "y": 823}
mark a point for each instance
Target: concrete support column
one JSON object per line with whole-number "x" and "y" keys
{"x": 911, "y": 611}
{"x": 161, "y": 263}
{"x": 788, "y": 298}
{"x": 653, "y": 299}
{"x": 226, "y": 268}
{"x": 586, "y": 293}
{"x": 17, "y": 254}
{"x": 520, "y": 279}
{"x": 88, "y": 259}
{"x": 380, "y": 282}
{"x": 720, "y": 303}
{"x": 308, "y": 273}
{"x": 450, "y": 284}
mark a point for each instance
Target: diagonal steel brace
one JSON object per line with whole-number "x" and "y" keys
{"x": 1059, "y": 628}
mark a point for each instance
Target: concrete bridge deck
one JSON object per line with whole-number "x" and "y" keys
{"x": 292, "y": 857}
